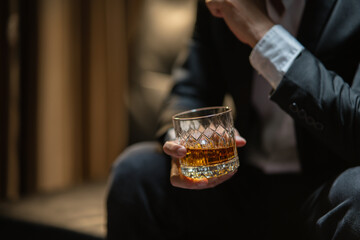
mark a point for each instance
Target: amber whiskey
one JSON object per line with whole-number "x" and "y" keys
{"x": 209, "y": 162}
{"x": 209, "y": 156}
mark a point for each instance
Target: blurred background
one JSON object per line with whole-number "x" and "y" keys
{"x": 80, "y": 80}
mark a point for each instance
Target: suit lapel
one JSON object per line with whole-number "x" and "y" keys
{"x": 315, "y": 17}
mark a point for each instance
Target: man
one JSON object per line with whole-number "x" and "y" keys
{"x": 298, "y": 177}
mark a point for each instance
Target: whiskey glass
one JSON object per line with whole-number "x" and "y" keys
{"x": 209, "y": 137}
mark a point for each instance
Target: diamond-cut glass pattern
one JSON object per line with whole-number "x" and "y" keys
{"x": 208, "y": 136}
{"x": 196, "y": 134}
{"x": 208, "y": 132}
{"x": 201, "y": 128}
{"x": 212, "y": 126}
{"x": 220, "y": 130}
{"x": 204, "y": 141}
{"x": 192, "y": 142}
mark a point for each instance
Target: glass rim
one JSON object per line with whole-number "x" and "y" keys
{"x": 178, "y": 117}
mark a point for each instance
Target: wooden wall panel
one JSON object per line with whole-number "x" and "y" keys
{"x": 4, "y": 96}
{"x": 97, "y": 90}
{"x": 58, "y": 96}
{"x": 107, "y": 86}
{"x": 82, "y": 119}
{"x": 13, "y": 168}
{"x": 117, "y": 57}
{"x": 64, "y": 96}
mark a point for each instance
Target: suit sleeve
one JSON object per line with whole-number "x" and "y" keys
{"x": 196, "y": 80}
{"x": 324, "y": 103}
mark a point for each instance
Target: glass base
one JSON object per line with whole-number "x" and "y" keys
{"x": 210, "y": 171}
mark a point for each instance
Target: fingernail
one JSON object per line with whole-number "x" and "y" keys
{"x": 181, "y": 151}
{"x": 238, "y": 138}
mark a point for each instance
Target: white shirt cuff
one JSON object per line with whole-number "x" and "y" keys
{"x": 273, "y": 55}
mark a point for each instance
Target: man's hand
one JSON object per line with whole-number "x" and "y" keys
{"x": 247, "y": 19}
{"x": 177, "y": 151}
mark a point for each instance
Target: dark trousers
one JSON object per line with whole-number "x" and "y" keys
{"x": 142, "y": 204}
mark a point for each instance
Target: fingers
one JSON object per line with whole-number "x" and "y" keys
{"x": 179, "y": 180}
{"x": 240, "y": 141}
{"x": 213, "y": 182}
{"x": 173, "y": 149}
{"x": 182, "y": 181}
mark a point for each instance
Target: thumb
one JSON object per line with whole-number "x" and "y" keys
{"x": 239, "y": 140}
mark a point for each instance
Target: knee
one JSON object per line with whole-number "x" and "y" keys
{"x": 342, "y": 221}
{"x": 133, "y": 170}
{"x": 346, "y": 187}
{"x": 132, "y": 162}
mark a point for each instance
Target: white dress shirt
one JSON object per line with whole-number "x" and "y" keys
{"x": 271, "y": 58}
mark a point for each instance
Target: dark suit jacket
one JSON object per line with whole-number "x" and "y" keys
{"x": 321, "y": 90}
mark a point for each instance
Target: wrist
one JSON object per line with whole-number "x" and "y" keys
{"x": 258, "y": 31}
{"x": 274, "y": 54}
